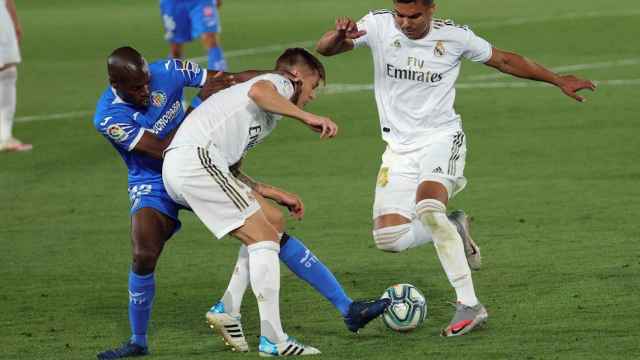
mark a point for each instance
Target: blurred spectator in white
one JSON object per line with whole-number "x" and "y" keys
{"x": 10, "y": 34}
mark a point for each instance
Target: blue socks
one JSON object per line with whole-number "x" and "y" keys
{"x": 216, "y": 59}
{"x": 141, "y": 292}
{"x": 309, "y": 268}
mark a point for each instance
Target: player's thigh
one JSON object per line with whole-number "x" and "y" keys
{"x": 442, "y": 164}
{"x": 396, "y": 186}
{"x": 256, "y": 228}
{"x": 176, "y": 21}
{"x": 150, "y": 229}
{"x": 272, "y": 212}
{"x": 204, "y": 18}
{"x": 200, "y": 179}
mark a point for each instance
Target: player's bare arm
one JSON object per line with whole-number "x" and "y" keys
{"x": 289, "y": 200}
{"x": 265, "y": 95}
{"x": 152, "y": 145}
{"x": 340, "y": 39}
{"x": 11, "y": 7}
{"x": 519, "y": 66}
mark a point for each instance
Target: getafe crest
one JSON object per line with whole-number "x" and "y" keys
{"x": 439, "y": 50}
{"x": 158, "y": 98}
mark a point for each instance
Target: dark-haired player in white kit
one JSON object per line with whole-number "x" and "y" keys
{"x": 416, "y": 63}
{"x": 197, "y": 173}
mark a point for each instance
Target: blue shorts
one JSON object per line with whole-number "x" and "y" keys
{"x": 154, "y": 196}
{"x": 185, "y": 20}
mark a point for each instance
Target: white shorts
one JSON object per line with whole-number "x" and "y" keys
{"x": 9, "y": 52}
{"x": 200, "y": 179}
{"x": 441, "y": 160}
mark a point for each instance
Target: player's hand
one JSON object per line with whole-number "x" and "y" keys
{"x": 323, "y": 125}
{"x": 291, "y": 202}
{"x": 213, "y": 84}
{"x": 570, "y": 85}
{"x": 347, "y": 28}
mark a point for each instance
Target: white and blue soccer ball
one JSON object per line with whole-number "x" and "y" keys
{"x": 408, "y": 307}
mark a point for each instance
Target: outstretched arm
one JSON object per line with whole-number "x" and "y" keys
{"x": 11, "y": 8}
{"x": 340, "y": 40}
{"x": 265, "y": 95}
{"x": 519, "y": 66}
{"x": 286, "y": 199}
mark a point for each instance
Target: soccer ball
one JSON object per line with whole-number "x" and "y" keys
{"x": 407, "y": 310}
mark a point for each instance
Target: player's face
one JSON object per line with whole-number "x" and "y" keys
{"x": 413, "y": 19}
{"x": 136, "y": 91}
{"x": 310, "y": 82}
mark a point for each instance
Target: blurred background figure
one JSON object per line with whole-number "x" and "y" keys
{"x": 10, "y": 33}
{"x": 185, "y": 20}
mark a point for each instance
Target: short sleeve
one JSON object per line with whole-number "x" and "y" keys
{"x": 365, "y": 24}
{"x": 123, "y": 132}
{"x": 282, "y": 84}
{"x": 477, "y": 49}
{"x": 186, "y": 73}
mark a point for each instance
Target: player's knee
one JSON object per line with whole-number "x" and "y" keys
{"x": 391, "y": 238}
{"x": 210, "y": 40}
{"x": 277, "y": 220}
{"x": 144, "y": 261}
{"x": 432, "y": 213}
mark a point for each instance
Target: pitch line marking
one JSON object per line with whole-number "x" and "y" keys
{"x": 349, "y": 88}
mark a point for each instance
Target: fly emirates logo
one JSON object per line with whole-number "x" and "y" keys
{"x": 414, "y": 71}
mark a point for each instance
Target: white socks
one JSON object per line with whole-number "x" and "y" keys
{"x": 450, "y": 249}
{"x": 402, "y": 237}
{"x": 8, "y": 79}
{"x": 232, "y": 298}
{"x": 264, "y": 270}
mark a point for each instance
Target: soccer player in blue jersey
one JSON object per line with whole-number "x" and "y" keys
{"x": 139, "y": 114}
{"x": 185, "y": 20}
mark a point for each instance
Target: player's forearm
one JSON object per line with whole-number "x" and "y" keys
{"x": 269, "y": 100}
{"x": 263, "y": 189}
{"x": 332, "y": 43}
{"x": 249, "y": 74}
{"x": 520, "y": 66}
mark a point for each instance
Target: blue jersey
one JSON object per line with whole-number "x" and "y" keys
{"x": 123, "y": 124}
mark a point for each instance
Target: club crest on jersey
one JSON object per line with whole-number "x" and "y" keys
{"x": 396, "y": 44}
{"x": 439, "y": 50}
{"x": 158, "y": 98}
{"x": 117, "y": 133}
{"x": 383, "y": 177}
{"x": 207, "y": 11}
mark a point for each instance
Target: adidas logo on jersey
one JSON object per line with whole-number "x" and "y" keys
{"x": 437, "y": 170}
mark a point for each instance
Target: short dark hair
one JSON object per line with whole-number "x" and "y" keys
{"x": 297, "y": 56}
{"x": 426, "y": 2}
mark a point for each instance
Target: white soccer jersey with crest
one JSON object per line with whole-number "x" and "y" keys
{"x": 231, "y": 121}
{"x": 414, "y": 79}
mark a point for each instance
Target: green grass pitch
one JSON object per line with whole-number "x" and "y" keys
{"x": 553, "y": 187}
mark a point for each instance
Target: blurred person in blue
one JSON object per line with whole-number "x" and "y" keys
{"x": 185, "y": 20}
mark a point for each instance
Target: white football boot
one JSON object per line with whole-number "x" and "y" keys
{"x": 289, "y": 347}
{"x": 228, "y": 326}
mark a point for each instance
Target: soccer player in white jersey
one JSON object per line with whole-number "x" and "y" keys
{"x": 10, "y": 33}
{"x": 217, "y": 134}
{"x": 416, "y": 64}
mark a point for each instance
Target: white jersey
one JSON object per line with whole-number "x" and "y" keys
{"x": 9, "y": 52}
{"x": 231, "y": 121}
{"x": 414, "y": 79}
